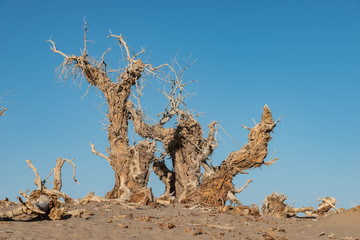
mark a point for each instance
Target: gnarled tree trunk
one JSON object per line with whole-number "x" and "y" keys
{"x": 216, "y": 187}
{"x": 188, "y": 149}
{"x": 130, "y": 163}
{"x": 185, "y": 145}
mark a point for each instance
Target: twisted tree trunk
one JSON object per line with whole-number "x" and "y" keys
{"x": 216, "y": 188}
{"x": 186, "y": 147}
{"x": 130, "y": 163}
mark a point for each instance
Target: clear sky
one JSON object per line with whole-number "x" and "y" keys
{"x": 302, "y": 58}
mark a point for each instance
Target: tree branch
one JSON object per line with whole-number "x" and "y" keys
{"x": 2, "y": 111}
{"x": 253, "y": 153}
{"x": 54, "y": 49}
{"x": 156, "y": 132}
{"x": 239, "y": 190}
{"x": 100, "y": 154}
{"x": 37, "y": 180}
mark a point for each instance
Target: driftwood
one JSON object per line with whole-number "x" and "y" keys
{"x": 28, "y": 208}
{"x": 274, "y": 205}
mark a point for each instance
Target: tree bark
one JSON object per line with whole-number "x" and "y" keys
{"x": 186, "y": 147}
{"x": 215, "y": 187}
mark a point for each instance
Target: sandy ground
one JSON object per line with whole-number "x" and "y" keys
{"x": 114, "y": 221}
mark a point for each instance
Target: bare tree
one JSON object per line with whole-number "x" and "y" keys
{"x": 130, "y": 163}
{"x": 189, "y": 150}
{"x": 184, "y": 143}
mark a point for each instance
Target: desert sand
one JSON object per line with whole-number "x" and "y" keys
{"x": 105, "y": 220}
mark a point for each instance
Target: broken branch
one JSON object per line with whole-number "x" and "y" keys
{"x": 99, "y": 154}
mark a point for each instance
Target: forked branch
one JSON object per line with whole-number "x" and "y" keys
{"x": 57, "y": 172}
{"x": 37, "y": 179}
{"x": 93, "y": 150}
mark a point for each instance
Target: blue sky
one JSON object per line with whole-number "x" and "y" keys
{"x": 302, "y": 58}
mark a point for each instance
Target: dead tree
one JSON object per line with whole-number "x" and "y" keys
{"x": 130, "y": 163}
{"x": 57, "y": 182}
{"x": 274, "y": 204}
{"x": 190, "y": 150}
{"x": 185, "y": 143}
{"x": 44, "y": 202}
{"x": 216, "y": 186}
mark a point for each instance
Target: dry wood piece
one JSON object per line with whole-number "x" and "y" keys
{"x": 326, "y": 204}
{"x": 252, "y": 210}
{"x": 274, "y": 205}
{"x": 26, "y": 208}
{"x": 43, "y": 201}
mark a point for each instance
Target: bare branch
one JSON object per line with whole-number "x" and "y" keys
{"x": 271, "y": 161}
{"x": 246, "y": 127}
{"x": 239, "y": 190}
{"x": 74, "y": 166}
{"x": 37, "y": 180}
{"x": 54, "y": 49}
{"x": 122, "y": 43}
{"x": 279, "y": 119}
{"x": 85, "y": 33}
{"x": 100, "y": 154}
{"x": 102, "y": 58}
{"x": 2, "y": 110}
{"x": 252, "y": 154}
